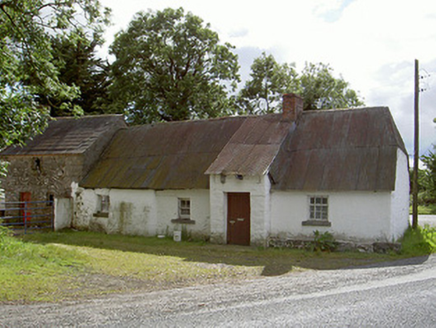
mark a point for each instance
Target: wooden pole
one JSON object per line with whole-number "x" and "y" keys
{"x": 416, "y": 151}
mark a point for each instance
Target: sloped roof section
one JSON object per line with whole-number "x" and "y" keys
{"x": 163, "y": 156}
{"x": 339, "y": 150}
{"x": 253, "y": 147}
{"x": 67, "y": 135}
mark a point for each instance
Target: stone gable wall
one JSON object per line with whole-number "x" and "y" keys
{"x": 42, "y": 176}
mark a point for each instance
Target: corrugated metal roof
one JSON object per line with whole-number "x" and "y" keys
{"x": 337, "y": 150}
{"x": 67, "y": 135}
{"x": 163, "y": 156}
{"x": 253, "y": 147}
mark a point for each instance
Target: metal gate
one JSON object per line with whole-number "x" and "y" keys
{"x": 26, "y": 216}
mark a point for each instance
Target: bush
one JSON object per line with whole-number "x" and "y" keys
{"x": 324, "y": 242}
{"x": 418, "y": 242}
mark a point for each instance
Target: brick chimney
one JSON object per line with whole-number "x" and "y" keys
{"x": 292, "y": 106}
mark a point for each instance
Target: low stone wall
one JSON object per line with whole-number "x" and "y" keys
{"x": 341, "y": 246}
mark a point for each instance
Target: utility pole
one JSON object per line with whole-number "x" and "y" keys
{"x": 416, "y": 151}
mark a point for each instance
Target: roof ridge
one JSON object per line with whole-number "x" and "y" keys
{"x": 84, "y": 117}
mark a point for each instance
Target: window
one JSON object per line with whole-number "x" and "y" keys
{"x": 318, "y": 208}
{"x": 184, "y": 212}
{"x": 318, "y": 212}
{"x": 184, "y": 208}
{"x": 103, "y": 204}
{"x": 50, "y": 200}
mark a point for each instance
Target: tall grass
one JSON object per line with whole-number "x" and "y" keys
{"x": 420, "y": 241}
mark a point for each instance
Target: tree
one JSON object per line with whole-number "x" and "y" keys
{"x": 316, "y": 84}
{"x": 170, "y": 66}
{"x": 28, "y": 68}
{"x": 428, "y": 180}
{"x": 269, "y": 81}
{"x": 79, "y": 67}
{"x": 320, "y": 90}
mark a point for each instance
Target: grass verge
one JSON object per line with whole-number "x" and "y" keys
{"x": 421, "y": 241}
{"x": 429, "y": 209}
{"x": 75, "y": 265}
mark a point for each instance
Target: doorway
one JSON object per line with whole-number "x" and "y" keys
{"x": 25, "y": 198}
{"x": 238, "y": 218}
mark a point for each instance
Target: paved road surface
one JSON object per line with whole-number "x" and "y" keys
{"x": 398, "y": 294}
{"x": 426, "y": 219}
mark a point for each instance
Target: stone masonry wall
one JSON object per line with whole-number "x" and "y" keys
{"x": 42, "y": 176}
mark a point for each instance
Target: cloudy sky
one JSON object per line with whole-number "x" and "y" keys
{"x": 370, "y": 43}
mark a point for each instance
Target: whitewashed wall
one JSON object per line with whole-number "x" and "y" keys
{"x": 63, "y": 213}
{"x": 258, "y": 187}
{"x": 167, "y": 210}
{"x": 142, "y": 212}
{"x": 355, "y": 216}
{"x": 131, "y": 212}
{"x": 85, "y": 204}
{"x": 400, "y": 197}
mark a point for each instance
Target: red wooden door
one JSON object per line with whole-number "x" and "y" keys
{"x": 238, "y": 218}
{"x": 25, "y": 212}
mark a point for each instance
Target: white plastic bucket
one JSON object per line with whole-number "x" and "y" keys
{"x": 177, "y": 236}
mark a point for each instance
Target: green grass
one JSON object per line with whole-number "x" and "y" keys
{"x": 421, "y": 241}
{"x": 75, "y": 265}
{"x": 36, "y": 272}
{"x": 425, "y": 210}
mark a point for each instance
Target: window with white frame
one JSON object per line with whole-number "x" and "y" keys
{"x": 184, "y": 208}
{"x": 103, "y": 203}
{"x": 318, "y": 208}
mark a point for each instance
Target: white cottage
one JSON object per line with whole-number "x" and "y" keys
{"x": 245, "y": 180}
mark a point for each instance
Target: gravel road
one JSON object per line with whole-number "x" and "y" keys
{"x": 426, "y": 219}
{"x": 397, "y": 294}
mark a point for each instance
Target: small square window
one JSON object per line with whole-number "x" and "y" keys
{"x": 103, "y": 204}
{"x": 184, "y": 208}
{"x": 318, "y": 208}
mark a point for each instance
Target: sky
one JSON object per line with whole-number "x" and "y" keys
{"x": 372, "y": 44}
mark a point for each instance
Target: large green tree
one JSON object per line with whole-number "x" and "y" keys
{"x": 80, "y": 67}
{"x": 321, "y": 90}
{"x": 171, "y": 66}
{"x": 28, "y": 69}
{"x": 316, "y": 84}
{"x": 263, "y": 92}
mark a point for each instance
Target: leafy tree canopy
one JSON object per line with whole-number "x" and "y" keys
{"x": 320, "y": 90}
{"x": 427, "y": 179}
{"x": 79, "y": 67}
{"x": 269, "y": 80}
{"x": 27, "y": 65}
{"x": 263, "y": 93}
{"x": 170, "y": 66}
